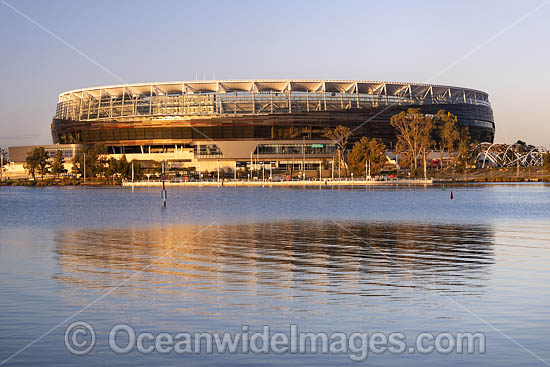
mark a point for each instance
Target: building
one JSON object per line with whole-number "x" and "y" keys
{"x": 205, "y": 124}
{"x": 16, "y": 167}
{"x": 19, "y": 154}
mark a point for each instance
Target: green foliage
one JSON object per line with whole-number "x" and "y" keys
{"x": 122, "y": 168}
{"x": 339, "y": 136}
{"x": 4, "y": 160}
{"x": 95, "y": 160}
{"x": 112, "y": 168}
{"x": 372, "y": 150}
{"x": 546, "y": 165}
{"x": 4, "y": 154}
{"x": 447, "y": 131}
{"x": 57, "y": 166}
{"x": 414, "y": 131}
{"x": 463, "y": 156}
{"x": 37, "y": 162}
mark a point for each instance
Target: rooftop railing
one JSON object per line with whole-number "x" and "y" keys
{"x": 201, "y": 104}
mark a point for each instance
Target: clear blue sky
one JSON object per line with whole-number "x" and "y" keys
{"x": 182, "y": 40}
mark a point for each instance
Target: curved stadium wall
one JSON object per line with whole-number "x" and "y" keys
{"x": 128, "y": 117}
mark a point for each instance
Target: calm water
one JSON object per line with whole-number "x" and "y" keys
{"x": 387, "y": 260}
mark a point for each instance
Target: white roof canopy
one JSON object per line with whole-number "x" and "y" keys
{"x": 279, "y": 86}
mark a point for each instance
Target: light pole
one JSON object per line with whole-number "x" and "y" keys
{"x": 251, "y": 172}
{"x": 84, "y": 167}
{"x": 339, "y": 165}
{"x": 304, "y": 155}
{"x": 163, "y": 193}
{"x": 369, "y": 168}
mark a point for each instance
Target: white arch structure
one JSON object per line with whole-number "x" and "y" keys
{"x": 509, "y": 155}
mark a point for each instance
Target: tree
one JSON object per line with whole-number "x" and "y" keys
{"x": 339, "y": 136}
{"x": 124, "y": 167}
{"x": 546, "y": 163}
{"x": 449, "y": 134}
{"x": 413, "y": 133}
{"x": 43, "y": 164}
{"x": 95, "y": 160}
{"x": 463, "y": 155}
{"x": 111, "y": 169}
{"x": 4, "y": 160}
{"x": 31, "y": 162}
{"x": 37, "y": 161}
{"x": 57, "y": 166}
{"x": 371, "y": 150}
{"x": 4, "y": 154}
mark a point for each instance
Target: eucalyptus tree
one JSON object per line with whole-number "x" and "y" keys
{"x": 414, "y": 134}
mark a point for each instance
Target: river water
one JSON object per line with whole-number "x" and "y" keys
{"x": 405, "y": 260}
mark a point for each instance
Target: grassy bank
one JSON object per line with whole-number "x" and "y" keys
{"x": 60, "y": 182}
{"x": 524, "y": 174}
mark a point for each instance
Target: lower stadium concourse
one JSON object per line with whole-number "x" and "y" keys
{"x": 276, "y": 121}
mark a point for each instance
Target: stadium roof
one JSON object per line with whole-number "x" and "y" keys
{"x": 398, "y": 89}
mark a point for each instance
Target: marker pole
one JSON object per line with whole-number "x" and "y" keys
{"x": 163, "y": 188}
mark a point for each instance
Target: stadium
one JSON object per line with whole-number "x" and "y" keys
{"x": 248, "y": 122}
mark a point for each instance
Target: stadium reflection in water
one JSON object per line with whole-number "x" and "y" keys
{"x": 321, "y": 260}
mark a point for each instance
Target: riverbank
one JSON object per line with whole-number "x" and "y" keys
{"x": 472, "y": 176}
{"x": 317, "y": 183}
{"x": 55, "y": 182}
{"x": 244, "y": 183}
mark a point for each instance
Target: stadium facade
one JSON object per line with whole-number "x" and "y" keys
{"x": 236, "y": 122}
